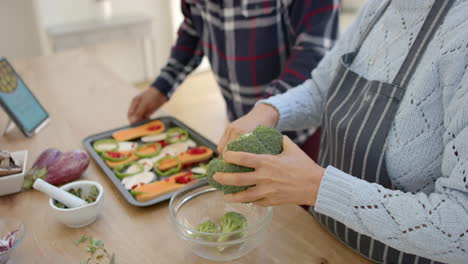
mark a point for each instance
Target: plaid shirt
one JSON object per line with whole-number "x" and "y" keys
{"x": 257, "y": 48}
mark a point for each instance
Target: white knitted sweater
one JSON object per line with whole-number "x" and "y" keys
{"x": 427, "y": 156}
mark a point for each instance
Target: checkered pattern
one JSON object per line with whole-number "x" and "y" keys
{"x": 257, "y": 48}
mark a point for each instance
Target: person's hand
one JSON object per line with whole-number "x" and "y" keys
{"x": 288, "y": 178}
{"x": 261, "y": 114}
{"x": 144, "y": 105}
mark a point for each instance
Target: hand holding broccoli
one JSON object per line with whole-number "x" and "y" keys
{"x": 263, "y": 140}
{"x": 261, "y": 114}
{"x": 288, "y": 178}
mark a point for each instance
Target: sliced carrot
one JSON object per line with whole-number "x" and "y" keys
{"x": 152, "y": 190}
{"x": 145, "y": 150}
{"x": 114, "y": 164}
{"x": 186, "y": 158}
{"x": 150, "y": 128}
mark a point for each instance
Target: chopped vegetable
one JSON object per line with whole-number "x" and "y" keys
{"x": 76, "y": 192}
{"x": 190, "y": 143}
{"x": 147, "y": 164}
{"x": 127, "y": 146}
{"x": 169, "y": 171}
{"x": 119, "y": 170}
{"x": 135, "y": 193}
{"x": 9, "y": 241}
{"x": 199, "y": 170}
{"x": 154, "y": 127}
{"x": 208, "y": 227}
{"x": 176, "y": 134}
{"x": 115, "y": 156}
{"x": 230, "y": 222}
{"x": 154, "y": 138}
{"x": 132, "y": 182}
{"x": 195, "y": 151}
{"x": 155, "y": 189}
{"x": 175, "y": 148}
{"x": 186, "y": 158}
{"x": 131, "y": 157}
{"x": 150, "y": 128}
{"x": 184, "y": 178}
{"x": 107, "y": 144}
{"x": 92, "y": 194}
{"x": 156, "y": 149}
{"x": 163, "y": 143}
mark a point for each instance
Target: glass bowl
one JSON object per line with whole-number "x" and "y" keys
{"x": 8, "y": 225}
{"x": 197, "y": 202}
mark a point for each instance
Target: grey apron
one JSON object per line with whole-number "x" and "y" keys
{"x": 357, "y": 118}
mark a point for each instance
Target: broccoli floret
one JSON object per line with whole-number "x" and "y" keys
{"x": 231, "y": 222}
{"x": 263, "y": 140}
{"x": 208, "y": 227}
{"x": 271, "y": 139}
{"x": 248, "y": 143}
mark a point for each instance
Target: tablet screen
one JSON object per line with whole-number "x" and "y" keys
{"x": 18, "y": 100}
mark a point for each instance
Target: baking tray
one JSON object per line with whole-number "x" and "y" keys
{"x": 168, "y": 122}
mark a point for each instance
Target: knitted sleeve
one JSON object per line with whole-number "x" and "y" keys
{"x": 433, "y": 225}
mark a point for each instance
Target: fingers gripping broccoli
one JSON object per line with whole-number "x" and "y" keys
{"x": 216, "y": 165}
{"x": 263, "y": 140}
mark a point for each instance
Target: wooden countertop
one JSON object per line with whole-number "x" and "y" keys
{"x": 83, "y": 98}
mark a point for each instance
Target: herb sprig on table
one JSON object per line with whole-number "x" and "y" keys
{"x": 97, "y": 252}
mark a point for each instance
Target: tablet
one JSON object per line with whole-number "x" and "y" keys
{"x": 19, "y": 102}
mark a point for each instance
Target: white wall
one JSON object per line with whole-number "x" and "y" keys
{"x": 123, "y": 57}
{"x": 18, "y": 29}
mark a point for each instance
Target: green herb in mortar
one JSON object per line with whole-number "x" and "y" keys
{"x": 91, "y": 197}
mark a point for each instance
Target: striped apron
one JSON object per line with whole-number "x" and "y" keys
{"x": 357, "y": 118}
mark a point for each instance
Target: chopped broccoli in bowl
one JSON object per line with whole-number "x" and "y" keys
{"x": 231, "y": 222}
{"x": 208, "y": 227}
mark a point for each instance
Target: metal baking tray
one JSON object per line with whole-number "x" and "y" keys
{"x": 169, "y": 122}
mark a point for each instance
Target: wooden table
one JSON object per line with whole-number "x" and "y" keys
{"x": 83, "y": 98}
